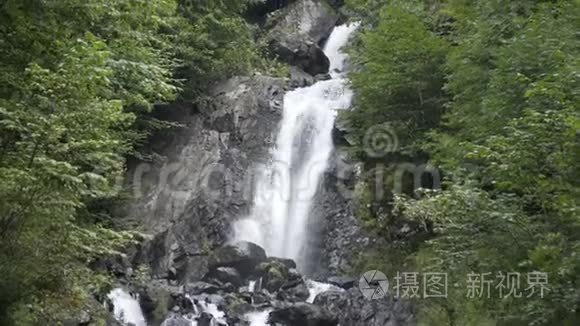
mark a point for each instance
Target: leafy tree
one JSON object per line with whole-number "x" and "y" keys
{"x": 400, "y": 76}
{"x": 78, "y": 81}
{"x": 507, "y": 144}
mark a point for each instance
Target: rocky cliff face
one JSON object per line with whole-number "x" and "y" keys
{"x": 187, "y": 201}
{"x": 297, "y": 32}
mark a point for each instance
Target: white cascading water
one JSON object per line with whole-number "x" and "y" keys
{"x": 285, "y": 192}
{"x": 126, "y": 308}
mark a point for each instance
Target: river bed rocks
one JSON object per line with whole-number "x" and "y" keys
{"x": 292, "y": 300}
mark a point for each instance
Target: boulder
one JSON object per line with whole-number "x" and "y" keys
{"x": 322, "y": 76}
{"x": 273, "y": 273}
{"x": 291, "y": 264}
{"x": 344, "y": 282}
{"x": 196, "y": 288}
{"x": 176, "y": 320}
{"x": 204, "y": 319}
{"x": 225, "y": 275}
{"x": 353, "y": 309}
{"x": 243, "y": 256}
{"x": 337, "y": 302}
{"x": 303, "y": 314}
{"x": 299, "y": 78}
{"x": 294, "y": 291}
{"x": 235, "y": 307}
{"x": 297, "y": 31}
{"x": 156, "y": 297}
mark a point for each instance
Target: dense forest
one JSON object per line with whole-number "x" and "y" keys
{"x": 484, "y": 91}
{"x": 79, "y": 80}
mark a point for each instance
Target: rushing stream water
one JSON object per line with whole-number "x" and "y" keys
{"x": 285, "y": 192}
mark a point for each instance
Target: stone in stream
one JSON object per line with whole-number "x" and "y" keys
{"x": 353, "y": 309}
{"x": 156, "y": 297}
{"x": 344, "y": 282}
{"x": 225, "y": 275}
{"x": 285, "y": 261}
{"x": 176, "y": 320}
{"x": 243, "y": 256}
{"x": 204, "y": 319}
{"x": 201, "y": 287}
{"x": 294, "y": 292}
{"x": 302, "y": 314}
{"x": 273, "y": 273}
{"x": 299, "y": 78}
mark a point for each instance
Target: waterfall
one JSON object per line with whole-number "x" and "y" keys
{"x": 126, "y": 308}
{"x": 285, "y": 191}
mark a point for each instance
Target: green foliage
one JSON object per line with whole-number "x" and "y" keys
{"x": 400, "y": 77}
{"x": 78, "y": 80}
{"x": 507, "y": 143}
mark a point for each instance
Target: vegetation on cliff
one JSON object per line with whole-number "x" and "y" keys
{"x": 487, "y": 92}
{"x": 78, "y": 80}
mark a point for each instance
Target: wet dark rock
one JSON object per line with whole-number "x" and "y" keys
{"x": 297, "y": 31}
{"x": 229, "y": 287}
{"x": 225, "y": 275}
{"x": 299, "y": 78}
{"x": 118, "y": 265}
{"x": 355, "y": 310}
{"x": 308, "y": 57}
{"x": 344, "y": 282}
{"x": 204, "y": 319}
{"x": 338, "y": 237}
{"x": 156, "y": 297}
{"x": 242, "y": 256}
{"x": 303, "y": 314}
{"x": 235, "y": 308}
{"x": 335, "y": 301}
{"x": 176, "y": 320}
{"x": 260, "y": 298}
{"x": 322, "y": 76}
{"x": 293, "y": 274}
{"x": 201, "y": 287}
{"x": 285, "y": 261}
{"x": 341, "y": 133}
{"x": 273, "y": 273}
{"x": 294, "y": 291}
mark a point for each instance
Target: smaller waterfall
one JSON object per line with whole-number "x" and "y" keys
{"x": 258, "y": 318}
{"x": 252, "y": 286}
{"x": 126, "y": 308}
{"x": 315, "y": 288}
